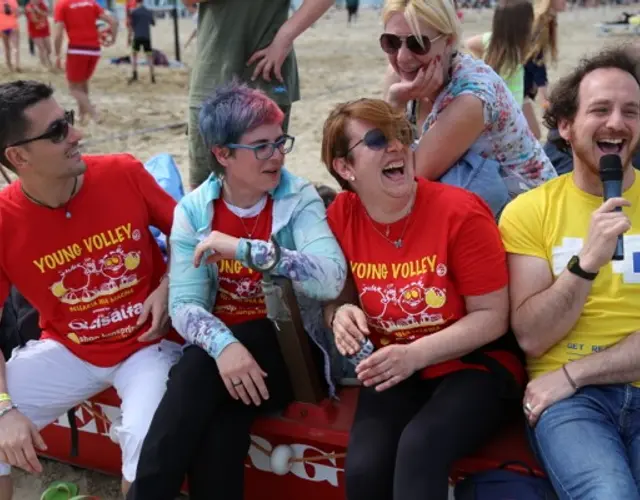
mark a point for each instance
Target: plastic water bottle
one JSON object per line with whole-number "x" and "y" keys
{"x": 366, "y": 351}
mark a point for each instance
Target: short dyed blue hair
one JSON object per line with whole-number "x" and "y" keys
{"x": 230, "y": 112}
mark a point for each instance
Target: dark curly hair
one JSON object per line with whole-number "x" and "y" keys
{"x": 564, "y": 97}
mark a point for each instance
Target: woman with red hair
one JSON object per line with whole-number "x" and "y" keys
{"x": 428, "y": 292}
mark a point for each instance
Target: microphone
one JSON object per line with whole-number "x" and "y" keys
{"x": 611, "y": 177}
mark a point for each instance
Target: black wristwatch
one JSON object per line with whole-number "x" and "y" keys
{"x": 574, "y": 267}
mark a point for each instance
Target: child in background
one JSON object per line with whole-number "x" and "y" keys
{"x": 544, "y": 44}
{"x": 352, "y": 10}
{"x": 10, "y": 33}
{"x": 141, "y": 22}
{"x": 506, "y": 46}
{"x": 37, "y": 12}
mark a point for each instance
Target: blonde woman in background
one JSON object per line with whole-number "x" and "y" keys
{"x": 544, "y": 46}
{"x": 471, "y": 126}
{"x": 505, "y": 47}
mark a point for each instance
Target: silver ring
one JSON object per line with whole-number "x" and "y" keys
{"x": 527, "y": 407}
{"x": 239, "y": 382}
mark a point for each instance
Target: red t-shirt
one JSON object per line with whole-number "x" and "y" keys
{"x": 240, "y": 296}
{"x": 130, "y": 7}
{"x": 37, "y": 23}
{"x": 88, "y": 276}
{"x": 451, "y": 249}
{"x": 79, "y": 18}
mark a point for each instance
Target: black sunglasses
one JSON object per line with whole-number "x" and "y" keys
{"x": 374, "y": 139}
{"x": 57, "y": 132}
{"x": 421, "y": 46}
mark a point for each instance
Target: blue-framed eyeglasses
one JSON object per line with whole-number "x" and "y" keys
{"x": 265, "y": 150}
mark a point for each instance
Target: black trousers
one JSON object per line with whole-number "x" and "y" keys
{"x": 199, "y": 431}
{"x": 404, "y": 440}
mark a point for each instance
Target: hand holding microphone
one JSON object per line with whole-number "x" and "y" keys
{"x": 608, "y": 222}
{"x": 611, "y": 176}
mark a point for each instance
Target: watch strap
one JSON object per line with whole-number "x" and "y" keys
{"x": 574, "y": 267}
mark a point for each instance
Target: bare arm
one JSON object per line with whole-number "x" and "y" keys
{"x": 487, "y": 319}
{"x": 269, "y": 60}
{"x": 452, "y": 134}
{"x": 191, "y": 37}
{"x": 58, "y": 32}
{"x": 308, "y": 13}
{"x": 112, "y": 21}
{"x": 348, "y": 295}
{"x": 543, "y": 312}
{"x": 475, "y": 46}
{"x": 391, "y": 77}
{"x": 619, "y": 364}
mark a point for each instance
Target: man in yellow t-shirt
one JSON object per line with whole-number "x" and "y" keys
{"x": 575, "y": 311}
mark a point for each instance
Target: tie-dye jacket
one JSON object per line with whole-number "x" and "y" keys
{"x": 311, "y": 258}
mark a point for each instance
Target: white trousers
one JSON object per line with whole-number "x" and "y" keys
{"x": 45, "y": 380}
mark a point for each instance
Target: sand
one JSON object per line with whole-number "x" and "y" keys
{"x": 329, "y": 74}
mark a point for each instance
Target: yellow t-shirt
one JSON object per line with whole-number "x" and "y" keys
{"x": 552, "y": 222}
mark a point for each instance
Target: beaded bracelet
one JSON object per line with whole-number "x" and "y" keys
{"x": 6, "y": 410}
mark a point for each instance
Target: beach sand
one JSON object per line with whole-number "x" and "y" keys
{"x": 336, "y": 64}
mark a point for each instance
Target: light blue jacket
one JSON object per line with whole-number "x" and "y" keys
{"x": 311, "y": 258}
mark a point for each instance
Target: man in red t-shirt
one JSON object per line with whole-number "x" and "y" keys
{"x": 78, "y": 18}
{"x": 77, "y": 245}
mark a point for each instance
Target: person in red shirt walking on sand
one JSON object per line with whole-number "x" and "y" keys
{"x": 37, "y": 13}
{"x": 78, "y": 18}
{"x": 75, "y": 241}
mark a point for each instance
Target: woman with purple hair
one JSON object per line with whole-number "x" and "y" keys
{"x": 232, "y": 367}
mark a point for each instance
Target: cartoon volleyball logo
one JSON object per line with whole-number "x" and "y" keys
{"x": 240, "y": 289}
{"x": 86, "y": 281}
{"x": 435, "y": 298}
{"x": 377, "y": 299}
{"x": 413, "y": 299}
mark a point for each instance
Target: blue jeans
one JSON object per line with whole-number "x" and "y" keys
{"x": 589, "y": 444}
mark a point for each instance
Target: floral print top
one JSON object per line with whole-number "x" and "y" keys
{"x": 507, "y": 137}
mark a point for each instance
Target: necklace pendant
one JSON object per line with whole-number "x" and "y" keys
{"x": 386, "y": 233}
{"x": 68, "y": 215}
{"x": 397, "y": 243}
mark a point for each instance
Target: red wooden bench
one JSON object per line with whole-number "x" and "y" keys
{"x": 315, "y": 427}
